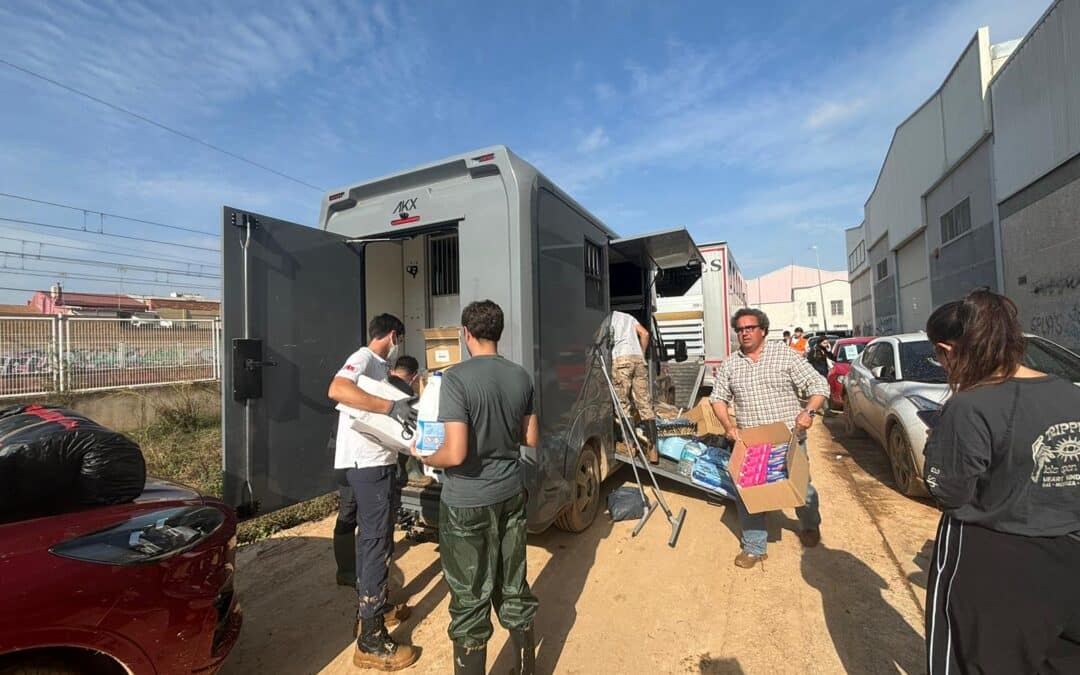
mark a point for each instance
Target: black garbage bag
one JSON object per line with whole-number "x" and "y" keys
{"x": 53, "y": 460}
{"x": 625, "y": 503}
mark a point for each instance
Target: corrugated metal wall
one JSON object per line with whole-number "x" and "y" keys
{"x": 968, "y": 261}
{"x": 913, "y": 274}
{"x": 1037, "y": 102}
{"x": 862, "y": 308}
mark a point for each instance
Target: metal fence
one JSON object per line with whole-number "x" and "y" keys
{"x": 39, "y": 355}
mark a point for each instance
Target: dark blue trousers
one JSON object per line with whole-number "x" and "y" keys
{"x": 375, "y": 491}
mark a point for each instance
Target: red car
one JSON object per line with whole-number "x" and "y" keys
{"x": 844, "y": 352}
{"x": 145, "y": 587}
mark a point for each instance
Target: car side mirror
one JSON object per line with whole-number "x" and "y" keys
{"x": 680, "y": 351}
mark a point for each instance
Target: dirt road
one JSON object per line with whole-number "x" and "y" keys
{"x": 613, "y": 604}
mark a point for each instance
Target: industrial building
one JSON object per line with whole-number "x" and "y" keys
{"x": 979, "y": 188}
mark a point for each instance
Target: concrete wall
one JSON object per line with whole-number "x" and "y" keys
{"x": 131, "y": 409}
{"x": 970, "y": 260}
{"x": 913, "y": 277}
{"x": 1041, "y": 246}
{"x": 1036, "y": 99}
{"x": 832, "y": 290}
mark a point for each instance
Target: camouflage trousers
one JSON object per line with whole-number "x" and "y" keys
{"x": 630, "y": 376}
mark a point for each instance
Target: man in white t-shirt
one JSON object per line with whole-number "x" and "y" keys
{"x": 371, "y": 471}
{"x": 630, "y": 375}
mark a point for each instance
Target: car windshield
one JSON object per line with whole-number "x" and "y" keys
{"x": 919, "y": 364}
{"x": 847, "y": 353}
{"x": 1047, "y": 357}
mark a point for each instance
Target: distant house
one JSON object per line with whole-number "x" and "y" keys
{"x": 18, "y": 310}
{"x": 58, "y": 301}
{"x": 184, "y": 307}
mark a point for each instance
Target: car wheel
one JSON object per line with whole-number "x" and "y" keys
{"x": 851, "y": 430}
{"x": 903, "y": 464}
{"x": 586, "y": 502}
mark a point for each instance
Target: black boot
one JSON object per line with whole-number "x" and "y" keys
{"x": 375, "y": 649}
{"x": 470, "y": 661}
{"x": 345, "y": 555}
{"x": 524, "y": 651}
{"x": 653, "y": 450}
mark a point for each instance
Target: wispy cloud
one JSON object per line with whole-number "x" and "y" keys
{"x": 833, "y": 112}
{"x": 594, "y": 140}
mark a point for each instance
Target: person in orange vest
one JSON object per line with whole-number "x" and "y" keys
{"x": 798, "y": 342}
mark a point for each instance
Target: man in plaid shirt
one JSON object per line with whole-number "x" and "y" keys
{"x": 764, "y": 381}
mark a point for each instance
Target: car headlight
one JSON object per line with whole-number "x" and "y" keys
{"x": 928, "y": 411}
{"x": 147, "y": 538}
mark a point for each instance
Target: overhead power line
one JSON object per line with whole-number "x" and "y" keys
{"x": 66, "y": 290}
{"x": 130, "y": 281}
{"x": 107, "y": 215}
{"x": 105, "y": 263}
{"x": 157, "y": 124}
{"x": 113, "y": 251}
{"x": 107, "y": 234}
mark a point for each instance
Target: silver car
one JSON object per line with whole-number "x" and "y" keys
{"x": 896, "y": 388}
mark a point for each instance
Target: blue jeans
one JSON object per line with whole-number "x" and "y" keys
{"x": 755, "y": 538}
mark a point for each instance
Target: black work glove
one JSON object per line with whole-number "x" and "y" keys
{"x": 404, "y": 413}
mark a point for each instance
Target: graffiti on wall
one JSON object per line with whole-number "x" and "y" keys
{"x": 1061, "y": 326}
{"x": 16, "y": 360}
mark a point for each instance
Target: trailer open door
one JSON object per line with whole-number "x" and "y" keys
{"x": 292, "y": 311}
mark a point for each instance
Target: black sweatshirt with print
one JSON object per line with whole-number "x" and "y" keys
{"x": 1007, "y": 457}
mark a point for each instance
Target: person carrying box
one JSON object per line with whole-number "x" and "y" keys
{"x": 403, "y": 376}
{"x": 764, "y": 381}
{"x": 371, "y": 471}
{"x": 486, "y": 406}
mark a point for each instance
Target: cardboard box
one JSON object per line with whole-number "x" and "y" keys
{"x": 782, "y": 494}
{"x": 702, "y": 414}
{"x": 442, "y": 347}
{"x": 381, "y": 429}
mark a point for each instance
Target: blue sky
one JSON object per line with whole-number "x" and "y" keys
{"x": 761, "y": 123}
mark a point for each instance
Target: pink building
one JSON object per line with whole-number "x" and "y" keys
{"x": 776, "y": 287}
{"x": 58, "y": 301}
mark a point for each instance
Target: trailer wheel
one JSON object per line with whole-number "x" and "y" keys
{"x": 582, "y": 511}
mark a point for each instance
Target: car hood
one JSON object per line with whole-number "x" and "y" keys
{"x": 938, "y": 393}
{"x": 159, "y": 490}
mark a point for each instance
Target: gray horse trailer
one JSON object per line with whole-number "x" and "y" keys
{"x": 422, "y": 244}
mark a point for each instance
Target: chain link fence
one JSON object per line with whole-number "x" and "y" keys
{"x": 39, "y": 355}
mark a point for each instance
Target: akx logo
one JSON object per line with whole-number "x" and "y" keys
{"x": 406, "y": 205}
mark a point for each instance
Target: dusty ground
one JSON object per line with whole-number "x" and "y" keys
{"x": 613, "y": 604}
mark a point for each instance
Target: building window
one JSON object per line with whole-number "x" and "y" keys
{"x": 811, "y": 309}
{"x": 836, "y": 307}
{"x": 857, "y": 256}
{"x": 594, "y": 275}
{"x": 443, "y": 252}
{"x": 956, "y": 222}
{"x": 883, "y": 269}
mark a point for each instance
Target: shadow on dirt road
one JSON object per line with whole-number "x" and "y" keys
{"x": 870, "y": 636}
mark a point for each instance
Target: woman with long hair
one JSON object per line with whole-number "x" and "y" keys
{"x": 1003, "y": 463}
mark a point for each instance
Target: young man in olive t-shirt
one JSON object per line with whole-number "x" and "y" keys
{"x": 486, "y": 403}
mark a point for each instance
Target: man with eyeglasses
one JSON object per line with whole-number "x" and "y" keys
{"x": 764, "y": 381}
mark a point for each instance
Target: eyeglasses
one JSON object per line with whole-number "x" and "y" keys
{"x": 746, "y": 329}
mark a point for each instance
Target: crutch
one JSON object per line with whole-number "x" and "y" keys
{"x": 628, "y": 433}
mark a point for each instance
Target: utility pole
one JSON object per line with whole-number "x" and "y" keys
{"x": 821, "y": 291}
